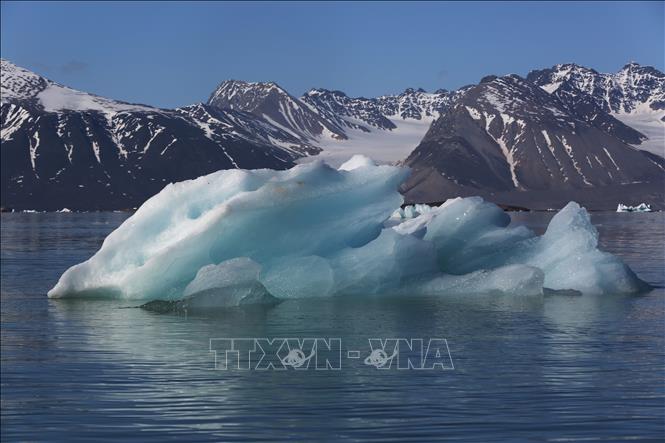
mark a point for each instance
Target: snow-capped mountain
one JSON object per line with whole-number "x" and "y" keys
{"x": 564, "y": 128}
{"x": 386, "y": 128}
{"x": 378, "y": 112}
{"x": 635, "y": 95}
{"x": 274, "y": 104}
{"x": 67, "y": 148}
{"x": 417, "y": 104}
{"x": 508, "y": 134}
{"x": 629, "y": 105}
{"x": 353, "y": 113}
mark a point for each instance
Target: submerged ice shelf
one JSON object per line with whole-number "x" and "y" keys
{"x": 236, "y": 237}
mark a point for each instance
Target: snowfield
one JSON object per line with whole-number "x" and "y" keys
{"x": 650, "y": 123}
{"x": 60, "y": 98}
{"x": 382, "y": 145}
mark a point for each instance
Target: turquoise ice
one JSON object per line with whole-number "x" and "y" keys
{"x": 236, "y": 237}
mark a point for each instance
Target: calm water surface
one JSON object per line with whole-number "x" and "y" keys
{"x": 564, "y": 368}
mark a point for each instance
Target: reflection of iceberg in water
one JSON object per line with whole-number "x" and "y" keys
{"x": 236, "y": 237}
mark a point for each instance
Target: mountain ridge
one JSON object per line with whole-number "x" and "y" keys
{"x": 56, "y": 138}
{"x": 66, "y": 148}
{"x": 508, "y": 134}
{"x": 634, "y": 95}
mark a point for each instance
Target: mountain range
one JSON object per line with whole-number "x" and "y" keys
{"x": 508, "y": 135}
{"x": 565, "y": 131}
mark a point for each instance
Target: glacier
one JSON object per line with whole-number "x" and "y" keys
{"x": 238, "y": 237}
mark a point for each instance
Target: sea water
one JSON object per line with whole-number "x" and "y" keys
{"x": 564, "y": 367}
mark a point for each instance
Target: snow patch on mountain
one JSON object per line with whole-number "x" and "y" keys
{"x": 61, "y": 98}
{"x": 650, "y": 122}
{"x": 20, "y": 84}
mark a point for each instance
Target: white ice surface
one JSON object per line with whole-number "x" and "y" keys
{"x": 382, "y": 145}
{"x": 649, "y": 122}
{"x": 642, "y": 207}
{"x": 58, "y": 98}
{"x": 236, "y": 237}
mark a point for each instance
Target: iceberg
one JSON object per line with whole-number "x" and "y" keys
{"x": 642, "y": 207}
{"x": 239, "y": 237}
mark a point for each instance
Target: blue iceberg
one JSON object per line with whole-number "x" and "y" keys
{"x": 240, "y": 237}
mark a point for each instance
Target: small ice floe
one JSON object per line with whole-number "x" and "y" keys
{"x": 642, "y": 207}
{"x": 64, "y": 210}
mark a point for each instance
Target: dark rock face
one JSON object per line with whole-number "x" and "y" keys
{"x": 337, "y": 106}
{"x": 585, "y": 108}
{"x": 64, "y": 148}
{"x": 80, "y": 160}
{"x": 323, "y": 112}
{"x": 623, "y": 91}
{"x": 270, "y": 101}
{"x": 507, "y": 134}
{"x": 635, "y": 95}
{"x": 417, "y": 104}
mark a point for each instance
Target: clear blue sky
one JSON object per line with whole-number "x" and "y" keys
{"x": 171, "y": 54}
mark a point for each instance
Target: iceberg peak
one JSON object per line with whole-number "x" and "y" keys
{"x": 357, "y": 161}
